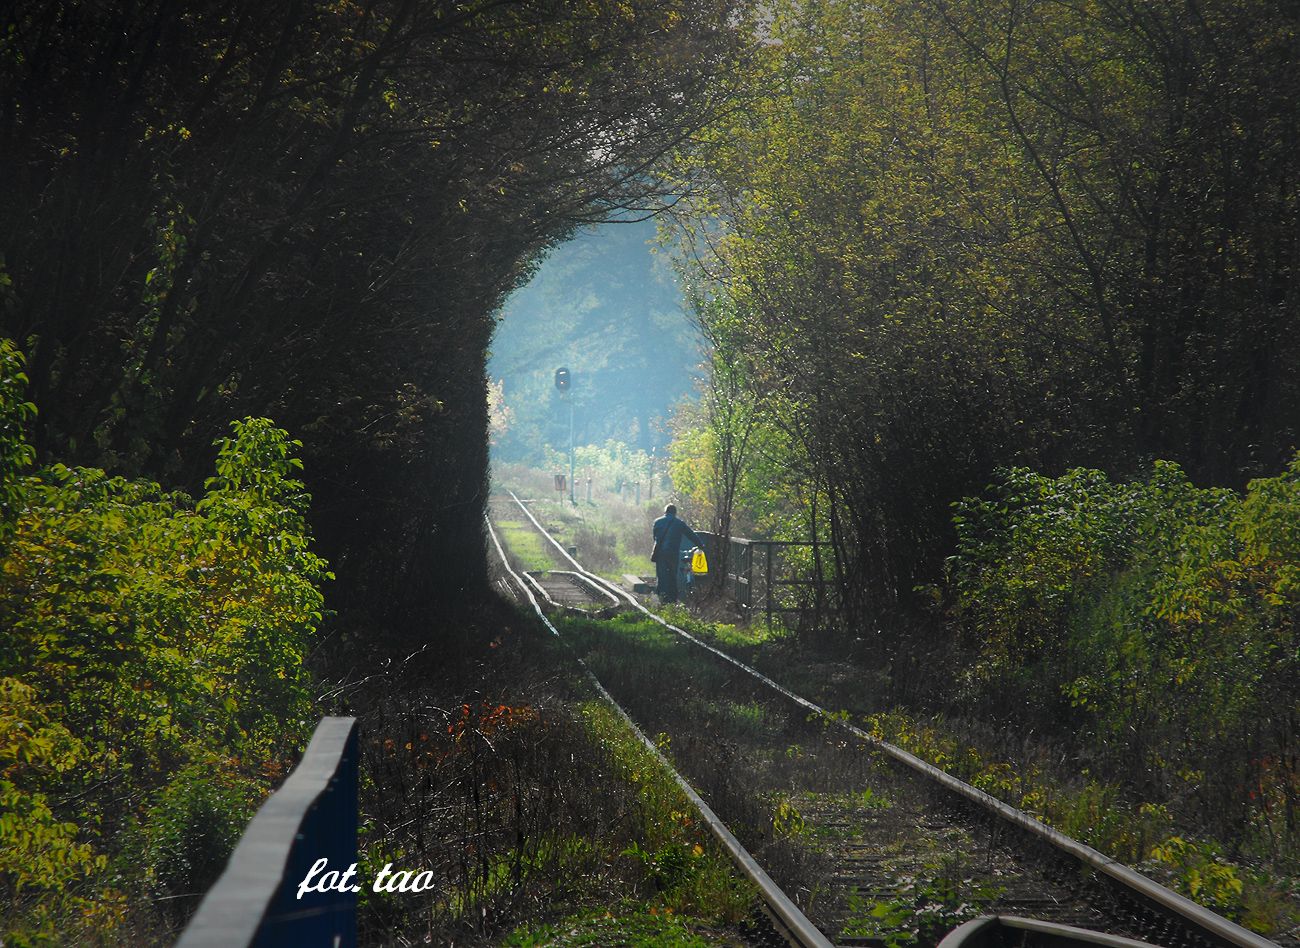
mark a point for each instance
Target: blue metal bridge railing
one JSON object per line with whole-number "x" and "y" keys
{"x": 312, "y": 816}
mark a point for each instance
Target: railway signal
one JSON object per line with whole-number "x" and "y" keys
{"x": 563, "y": 383}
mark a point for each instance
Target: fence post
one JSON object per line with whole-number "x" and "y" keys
{"x": 749, "y": 576}
{"x": 768, "y": 590}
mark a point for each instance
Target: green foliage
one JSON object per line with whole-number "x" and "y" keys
{"x": 741, "y": 717}
{"x": 526, "y": 545}
{"x": 714, "y": 444}
{"x": 888, "y": 920}
{"x": 668, "y": 866}
{"x": 15, "y": 411}
{"x": 144, "y": 639}
{"x": 39, "y": 851}
{"x": 969, "y": 235}
{"x": 1166, "y": 614}
{"x": 923, "y": 909}
{"x": 1201, "y": 871}
{"x": 156, "y": 620}
{"x": 612, "y": 465}
{"x": 734, "y": 457}
{"x": 1201, "y": 874}
{"x": 1025, "y": 552}
{"x": 192, "y": 829}
{"x": 621, "y": 925}
{"x": 689, "y": 873}
{"x": 787, "y": 821}
{"x": 1091, "y": 811}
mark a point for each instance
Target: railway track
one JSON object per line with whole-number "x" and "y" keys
{"x": 883, "y": 818}
{"x": 566, "y": 586}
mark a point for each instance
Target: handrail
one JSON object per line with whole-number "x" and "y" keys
{"x": 312, "y": 816}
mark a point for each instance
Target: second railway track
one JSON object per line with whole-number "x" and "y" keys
{"x": 885, "y": 829}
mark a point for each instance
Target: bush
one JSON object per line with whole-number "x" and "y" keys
{"x": 1167, "y": 616}
{"x": 192, "y": 829}
{"x": 142, "y": 635}
{"x": 598, "y": 548}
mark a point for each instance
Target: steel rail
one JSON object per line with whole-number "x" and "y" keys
{"x": 788, "y": 914}
{"x": 541, "y": 590}
{"x": 1188, "y": 912}
{"x": 994, "y": 931}
{"x": 578, "y": 579}
{"x": 586, "y": 581}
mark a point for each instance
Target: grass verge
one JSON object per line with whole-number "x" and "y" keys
{"x": 542, "y": 816}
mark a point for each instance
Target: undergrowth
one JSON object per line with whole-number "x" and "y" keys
{"x": 1085, "y": 806}
{"x": 539, "y": 812}
{"x": 152, "y": 686}
{"x": 1103, "y": 816}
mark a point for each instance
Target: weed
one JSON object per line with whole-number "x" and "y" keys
{"x": 923, "y": 907}
{"x": 1200, "y": 871}
{"x": 868, "y": 799}
{"x": 746, "y": 719}
{"x": 529, "y": 805}
{"x": 526, "y": 545}
{"x": 787, "y": 821}
{"x": 621, "y": 925}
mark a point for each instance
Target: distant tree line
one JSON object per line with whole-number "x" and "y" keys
{"x": 309, "y": 211}
{"x": 607, "y": 308}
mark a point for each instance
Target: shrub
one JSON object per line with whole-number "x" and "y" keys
{"x": 191, "y": 830}
{"x": 141, "y": 636}
{"x": 1166, "y": 614}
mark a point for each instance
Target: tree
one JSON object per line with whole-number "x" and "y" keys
{"x": 1013, "y": 232}
{"x": 732, "y": 413}
{"x": 310, "y": 212}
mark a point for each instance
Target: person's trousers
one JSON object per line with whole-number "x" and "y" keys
{"x": 666, "y": 580}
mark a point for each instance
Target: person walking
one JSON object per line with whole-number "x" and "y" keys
{"x": 668, "y": 531}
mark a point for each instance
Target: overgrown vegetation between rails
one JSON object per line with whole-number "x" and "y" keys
{"x": 542, "y": 817}
{"x": 724, "y": 734}
{"x": 531, "y": 551}
{"x": 611, "y": 533}
{"x": 1163, "y": 843}
{"x": 1167, "y": 839}
{"x": 794, "y": 791}
{"x": 152, "y": 685}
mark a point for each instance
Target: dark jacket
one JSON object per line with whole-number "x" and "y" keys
{"x": 668, "y": 533}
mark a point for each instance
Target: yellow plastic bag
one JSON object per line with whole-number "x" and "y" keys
{"x": 699, "y": 565}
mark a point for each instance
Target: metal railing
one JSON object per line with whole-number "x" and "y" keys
{"x": 762, "y": 590}
{"x": 312, "y": 816}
